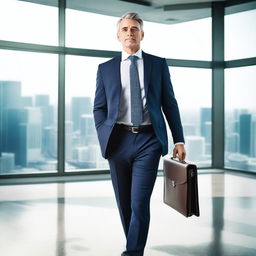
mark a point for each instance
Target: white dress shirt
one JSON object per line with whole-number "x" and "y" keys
{"x": 124, "y": 115}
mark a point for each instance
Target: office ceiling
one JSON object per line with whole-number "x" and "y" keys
{"x": 160, "y": 11}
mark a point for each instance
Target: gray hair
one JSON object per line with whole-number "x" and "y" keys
{"x": 133, "y": 16}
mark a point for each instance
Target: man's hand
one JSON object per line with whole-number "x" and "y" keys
{"x": 180, "y": 152}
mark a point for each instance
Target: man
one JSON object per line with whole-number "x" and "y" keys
{"x": 131, "y": 90}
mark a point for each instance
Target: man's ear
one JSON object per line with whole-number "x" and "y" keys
{"x": 117, "y": 36}
{"x": 142, "y": 35}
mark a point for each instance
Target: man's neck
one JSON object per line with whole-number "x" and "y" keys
{"x": 131, "y": 51}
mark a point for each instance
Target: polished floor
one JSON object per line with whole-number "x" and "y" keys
{"x": 81, "y": 219}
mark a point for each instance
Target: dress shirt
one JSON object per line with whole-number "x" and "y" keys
{"x": 124, "y": 115}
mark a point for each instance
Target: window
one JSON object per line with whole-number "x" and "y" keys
{"x": 188, "y": 40}
{"x": 192, "y": 88}
{"x": 28, "y": 112}
{"x": 28, "y": 22}
{"x": 240, "y": 35}
{"x": 82, "y": 148}
{"x": 240, "y": 118}
{"x": 91, "y": 31}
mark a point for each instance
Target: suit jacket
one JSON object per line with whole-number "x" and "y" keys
{"x": 159, "y": 95}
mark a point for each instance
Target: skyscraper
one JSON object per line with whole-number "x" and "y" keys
{"x": 189, "y": 129}
{"x": 205, "y": 118}
{"x": 42, "y": 100}
{"x": 245, "y": 133}
{"x": 30, "y": 134}
{"x": 26, "y": 101}
{"x": 232, "y": 142}
{"x": 80, "y": 106}
{"x": 10, "y": 95}
{"x": 87, "y": 130}
{"x": 253, "y": 144}
{"x": 68, "y": 140}
{"x": 195, "y": 146}
{"x": 7, "y": 163}
{"x": 11, "y": 136}
{"x": 49, "y": 139}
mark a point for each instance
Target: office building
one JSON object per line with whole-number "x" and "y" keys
{"x": 245, "y": 134}
{"x": 80, "y": 106}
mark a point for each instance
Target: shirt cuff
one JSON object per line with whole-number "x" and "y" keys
{"x": 179, "y": 143}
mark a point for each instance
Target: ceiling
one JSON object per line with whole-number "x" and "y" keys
{"x": 160, "y": 11}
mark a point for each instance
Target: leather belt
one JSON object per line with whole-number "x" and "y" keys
{"x": 136, "y": 129}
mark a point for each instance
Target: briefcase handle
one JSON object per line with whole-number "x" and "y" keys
{"x": 177, "y": 160}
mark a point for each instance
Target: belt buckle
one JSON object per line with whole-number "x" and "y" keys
{"x": 135, "y": 129}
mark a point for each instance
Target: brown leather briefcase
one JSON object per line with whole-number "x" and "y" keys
{"x": 180, "y": 186}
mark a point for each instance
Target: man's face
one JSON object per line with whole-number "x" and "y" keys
{"x": 130, "y": 34}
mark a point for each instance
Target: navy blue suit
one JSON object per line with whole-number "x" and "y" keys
{"x": 134, "y": 158}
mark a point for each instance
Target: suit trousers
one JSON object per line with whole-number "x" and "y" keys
{"x": 133, "y": 160}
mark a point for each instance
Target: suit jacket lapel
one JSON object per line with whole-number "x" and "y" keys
{"x": 117, "y": 78}
{"x": 116, "y": 68}
{"x": 147, "y": 70}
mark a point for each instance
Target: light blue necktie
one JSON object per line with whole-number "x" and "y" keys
{"x": 136, "y": 101}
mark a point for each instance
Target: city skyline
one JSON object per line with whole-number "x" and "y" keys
{"x": 29, "y": 134}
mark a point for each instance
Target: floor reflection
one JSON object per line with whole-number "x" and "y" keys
{"x": 61, "y": 236}
{"x": 215, "y": 247}
{"x": 81, "y": 218}
{"x": 207, "y": 249}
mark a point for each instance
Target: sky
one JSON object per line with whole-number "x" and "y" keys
{"x": 26, "y": 22}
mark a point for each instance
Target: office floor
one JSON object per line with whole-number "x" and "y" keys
{"x": 81, "y": 219}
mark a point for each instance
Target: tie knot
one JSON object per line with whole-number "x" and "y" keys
{"x": 133, "y": 58}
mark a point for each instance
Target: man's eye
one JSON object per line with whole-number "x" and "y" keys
{"x": 135, "y": 29}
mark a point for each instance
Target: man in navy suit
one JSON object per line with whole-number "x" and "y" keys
{"x": 131, "y": 127}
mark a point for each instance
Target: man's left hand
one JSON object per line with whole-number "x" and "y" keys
{"x": 180, "y": 152}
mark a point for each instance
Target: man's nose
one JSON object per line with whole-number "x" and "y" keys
{"x": 129, "y": 32}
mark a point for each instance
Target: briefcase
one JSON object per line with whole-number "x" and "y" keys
{"x": 180, "y": 186}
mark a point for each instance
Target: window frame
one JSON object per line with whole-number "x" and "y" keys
{"x": 217, "y": 65}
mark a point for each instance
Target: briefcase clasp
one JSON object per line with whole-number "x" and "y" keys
{"x": 173, "y": 183}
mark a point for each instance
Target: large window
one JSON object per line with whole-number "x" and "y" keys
{"x": 82, "y": 148}
{"x": 188, "y": 40}
{"x": 28, "y": 112}
{"x": 240, "y": 35}
{"x": 192, "y": 88}
{"x": 91, "y": 31}
{"x": 29, "y": 83}
{"x": 28, "y": 22}
{"x": 240, "y": 91}
{"x": 240, "y": 122}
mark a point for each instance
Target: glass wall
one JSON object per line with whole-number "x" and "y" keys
{"x": 28, "y": 112}
{"x": 29, "y": 86}
{"x": 193, "y": 91}
{"x": 22, "y": 21}
{"x": 82, "y": 148}
{"x": 240, "y": 91}
{"x": 91, "y": 31}
{"x": 240, "y": 35}
{"x": 240, "y": 121}
{"x": 188, "y": 40}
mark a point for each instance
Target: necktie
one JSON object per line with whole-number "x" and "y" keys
{"x": 136, "y": 101}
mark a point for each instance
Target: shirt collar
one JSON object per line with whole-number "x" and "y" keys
{"x": 125, "y": 55}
